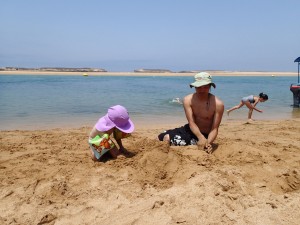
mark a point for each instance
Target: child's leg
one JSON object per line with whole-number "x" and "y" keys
{"x": 250, "y": 107}
{"x": 94, "y": 157}
{"x": 235, "y": 107}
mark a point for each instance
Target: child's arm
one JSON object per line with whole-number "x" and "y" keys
{"x": 119, "y": 141}
{"x": 254, "y": 104}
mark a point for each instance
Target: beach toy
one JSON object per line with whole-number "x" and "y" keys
{"x": 97, "y": 140}
{"x": 102, "y": 144}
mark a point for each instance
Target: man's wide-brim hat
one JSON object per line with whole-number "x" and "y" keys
{"x": 202, "y": 79}
{"x": 117, "y": 116}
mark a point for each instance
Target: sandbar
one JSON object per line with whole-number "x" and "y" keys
{"x": 213, "y": 73}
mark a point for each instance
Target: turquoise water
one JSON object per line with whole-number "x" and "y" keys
{"x": 38, "y": 102}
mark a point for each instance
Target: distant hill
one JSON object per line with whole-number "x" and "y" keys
{"x": 54, "y": 69}
{"x": 152, "y": 71}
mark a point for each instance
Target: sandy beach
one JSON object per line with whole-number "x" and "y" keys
{"x": 253, "y": 177}
{"x": 213, "y": 73}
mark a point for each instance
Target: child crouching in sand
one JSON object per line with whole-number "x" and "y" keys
{"x": 250, "y": 101}
{"x": 116, "y": 123}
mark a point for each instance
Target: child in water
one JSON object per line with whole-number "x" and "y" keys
{"x": 115, "y": 123}
{"x": 250, "y": 101}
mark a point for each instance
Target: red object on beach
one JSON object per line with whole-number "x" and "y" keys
{"x": 295, "y": 86}
{"x": 295, "y": 89}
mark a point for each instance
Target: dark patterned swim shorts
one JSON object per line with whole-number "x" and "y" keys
{"x": 181, "y": 136}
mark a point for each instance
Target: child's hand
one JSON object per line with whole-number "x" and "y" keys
{"x": 126, "y": 153}
{"x": 123, "y": 150}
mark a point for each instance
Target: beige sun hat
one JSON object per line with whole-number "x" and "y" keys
{"x": 202, "y": 79}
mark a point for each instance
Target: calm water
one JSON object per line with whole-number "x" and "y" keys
{"x": 38, "y": 102}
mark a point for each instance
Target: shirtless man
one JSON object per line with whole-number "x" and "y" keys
{"x": 204, "y": 113}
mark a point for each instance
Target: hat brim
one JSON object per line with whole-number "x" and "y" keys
{"x": 199, "y": 84}
{"x": 127, "y": 128}
{"x": 104, "y": 124}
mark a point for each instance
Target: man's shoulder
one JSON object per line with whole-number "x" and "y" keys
{"x": 218, "y": 100}
{"x": 188, "y": 97}
{"x": 219, "y": 104}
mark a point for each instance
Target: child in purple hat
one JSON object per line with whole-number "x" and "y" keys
{"x": 116, "y": 123}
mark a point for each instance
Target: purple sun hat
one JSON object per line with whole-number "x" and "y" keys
{"x": 117, "y": 116}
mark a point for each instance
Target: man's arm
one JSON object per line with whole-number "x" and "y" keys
{"x": 216, "y": 122}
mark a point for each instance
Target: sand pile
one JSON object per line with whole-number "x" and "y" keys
{"x": 253, "y": 177}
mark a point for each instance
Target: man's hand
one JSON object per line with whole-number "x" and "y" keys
{"x": 202, "y": 143}
{"x": 208, "y": 148}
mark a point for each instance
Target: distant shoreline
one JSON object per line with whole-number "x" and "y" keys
{"x": 213, "y": 73}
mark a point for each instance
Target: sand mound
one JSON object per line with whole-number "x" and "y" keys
{"x": 253, "y": 177}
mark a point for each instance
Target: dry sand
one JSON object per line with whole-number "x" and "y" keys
{"x": 213, "y": 73}
{"x": 253, "y": 177}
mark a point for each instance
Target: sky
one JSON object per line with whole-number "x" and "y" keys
{"x": 177, "y": 35}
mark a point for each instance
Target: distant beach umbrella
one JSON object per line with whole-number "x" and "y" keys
{"x": 298, "y": 61}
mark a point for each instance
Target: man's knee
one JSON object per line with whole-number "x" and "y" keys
{"x": 164, "y": 137}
